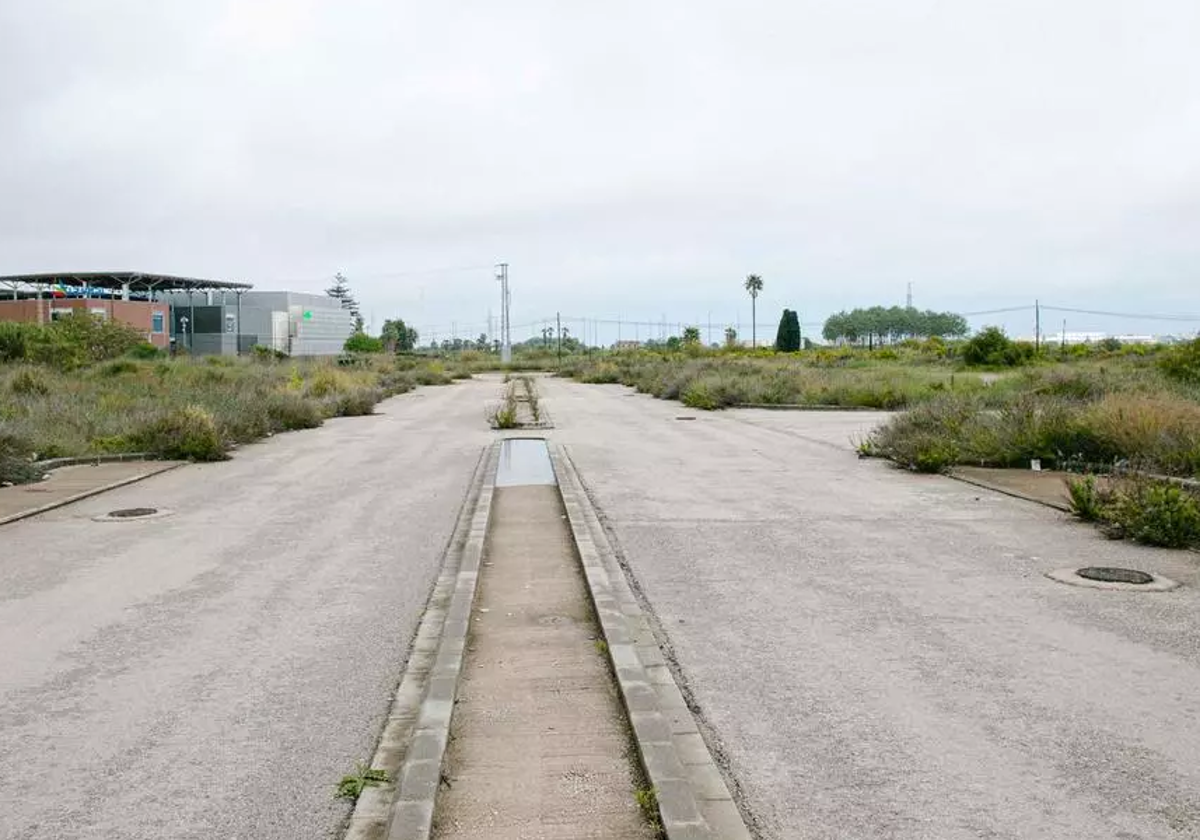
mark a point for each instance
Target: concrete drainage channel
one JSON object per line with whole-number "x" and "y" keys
{"x": 507, "y": 722}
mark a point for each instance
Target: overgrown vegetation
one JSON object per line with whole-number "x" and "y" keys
{"x": 1077, "y": 407}
{"x": 182, "y": 408}
{"x": 1147, "y": 510}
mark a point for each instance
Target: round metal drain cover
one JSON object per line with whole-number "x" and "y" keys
{"x": 1104, "y": 577}
{"x": 132, "y": 513}
{"x": 1108, "y": 574}
{"x": 136, "y": 514}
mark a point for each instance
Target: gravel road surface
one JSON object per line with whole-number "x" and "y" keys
{"x": 878, "y": 653}
{"x": 212, "y": 674}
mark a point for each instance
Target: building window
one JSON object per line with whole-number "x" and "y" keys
{"x": 156, "y": 322}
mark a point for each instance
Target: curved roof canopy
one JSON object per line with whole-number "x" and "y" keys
{"x": 136, "y": 281}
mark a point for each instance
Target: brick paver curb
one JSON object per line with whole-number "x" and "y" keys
{"x": 93, "y": 491}
{"x": 417, "y": 730}
{"x": 693, "y": 800}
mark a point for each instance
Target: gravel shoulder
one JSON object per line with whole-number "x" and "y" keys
{"x": 213, "y": 673}
{"x": 879, "y": 654}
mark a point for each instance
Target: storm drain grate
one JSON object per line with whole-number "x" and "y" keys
{"x": 1109, "y": 574}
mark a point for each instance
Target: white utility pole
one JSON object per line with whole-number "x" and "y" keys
{"x": 505, "y": 321}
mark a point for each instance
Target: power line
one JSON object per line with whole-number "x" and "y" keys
{"x": 1130, "y": 315}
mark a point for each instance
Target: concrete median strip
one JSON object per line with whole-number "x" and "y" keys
{"x": 476, "y": 785}
{"x": 693, "y": 799}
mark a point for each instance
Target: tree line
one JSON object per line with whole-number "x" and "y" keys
{"x": 879, "y": 325}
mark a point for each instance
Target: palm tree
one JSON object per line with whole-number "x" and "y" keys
{"x": 754, "y": 285}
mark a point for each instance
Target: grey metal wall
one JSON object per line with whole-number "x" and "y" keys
{"x": 317, "y": 325}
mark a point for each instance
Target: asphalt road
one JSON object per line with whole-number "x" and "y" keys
{"x": 878, "y": 654}
{"x": 212, "y": 674}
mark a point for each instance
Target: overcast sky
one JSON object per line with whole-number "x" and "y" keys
{"x": 627, "y": 159}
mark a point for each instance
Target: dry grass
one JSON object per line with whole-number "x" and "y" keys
{"x": 183, "y": 407}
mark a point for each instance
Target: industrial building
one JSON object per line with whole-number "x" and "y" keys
{"x": 201, "y": 317}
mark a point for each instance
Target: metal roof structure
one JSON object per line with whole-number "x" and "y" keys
{"x": 135, "y": 281}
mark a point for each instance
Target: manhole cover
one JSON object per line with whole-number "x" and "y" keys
{"x": 1104, "y": 577}
{"x": 1108, "y": 574}
{"x": 130, "y": 513}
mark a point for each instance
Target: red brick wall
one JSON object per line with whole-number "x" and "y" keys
{"x": 139, "y": 314}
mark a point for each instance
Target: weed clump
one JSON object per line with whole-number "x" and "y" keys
{"x": 188, "y": 433}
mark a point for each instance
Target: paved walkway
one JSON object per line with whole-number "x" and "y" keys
{"x": 540, "y": 747}
{"x": 68, "y": 484}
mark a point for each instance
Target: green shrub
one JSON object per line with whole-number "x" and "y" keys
{"x": 1086, "y": 502}
{"x": 263, "y": 353}
{"x": 992, "y": 348}
{"x": 16, "y": 460}
{"x": 288, "y": 411}
{"x": 1156, "y": 513}
{"x": 358, "y": 403}
{"x": 1182, "y": 362}
{"x": 188, "y": 433}
{"x": 14, "y": 341}
{"x": 81, "y": 339}
{"x": 363, "y": 343}
{"x": 432, "y": 375}
{"x": 145, "y": 351}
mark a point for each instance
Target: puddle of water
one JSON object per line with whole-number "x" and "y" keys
{"x": 524, "y": 461}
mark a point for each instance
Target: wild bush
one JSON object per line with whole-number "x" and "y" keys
{"x": 1182, "y": 362}
{"x": 188, "y": 433}
{"x": 363, "y": 343}
{"x": 30, "y": 380}
{"x": 1156, "y": 513}
{"x": 992, "y": 348}
{"x": 14, "y": 341}
{"x": 358, "y": 402}
{"x": 16, "y": 459}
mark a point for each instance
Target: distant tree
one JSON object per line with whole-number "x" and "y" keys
{"x": 340, "y": 291}
{"x": 879, "y": 325}
{"x": 673, "y": 343}
{"x": 691, "y": 335}
{"x": 754, "y": 285}
{"x": 787, "y": 338}
{"x": 730, "y": 337}
{"x": 398, "y": 335}
{"x": 481, "y": 343}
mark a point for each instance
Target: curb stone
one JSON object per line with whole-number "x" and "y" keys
{"x": 413, "y": 743}
{"x": 693, "y": 800}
